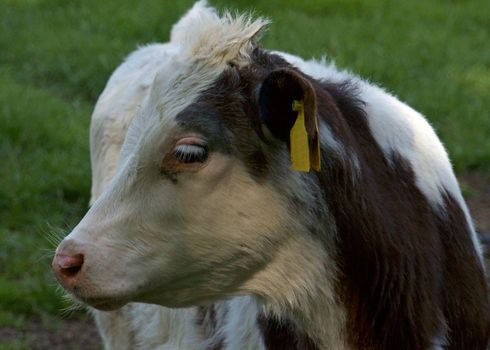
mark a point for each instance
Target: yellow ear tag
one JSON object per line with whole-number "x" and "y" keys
{"x": 300, "y": 150}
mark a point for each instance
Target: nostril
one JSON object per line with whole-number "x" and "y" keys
{"x": 68, "y": 265}
{"x": 70, "y": 271}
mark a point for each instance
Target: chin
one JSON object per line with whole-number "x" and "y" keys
{"x": 103, "y": 304}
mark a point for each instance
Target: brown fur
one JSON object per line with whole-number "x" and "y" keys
{"x": 395, "y": 249}
{"x": 283, "y": 335}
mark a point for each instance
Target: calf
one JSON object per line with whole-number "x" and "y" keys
{"x": 198, "y": 215}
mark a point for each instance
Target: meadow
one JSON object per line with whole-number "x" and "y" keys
{"x": 55, "y": 57}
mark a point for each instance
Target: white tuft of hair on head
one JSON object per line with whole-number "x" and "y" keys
{"x": 206, "y": 36}
{"x": 179, "y": 29}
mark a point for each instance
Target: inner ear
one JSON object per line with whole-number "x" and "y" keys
{"x": 276, "y": 95}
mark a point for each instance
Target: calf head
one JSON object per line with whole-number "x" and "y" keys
{"x": 201, "y": 199}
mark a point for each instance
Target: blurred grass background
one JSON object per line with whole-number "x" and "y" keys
{"x": 56, "y": 55}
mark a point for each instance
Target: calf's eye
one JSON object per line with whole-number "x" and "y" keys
{"x": 190, "y": 153}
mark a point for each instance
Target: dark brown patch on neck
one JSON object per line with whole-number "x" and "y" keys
{"x": 390, "y": 282}
{"x": 283, "y": 335}
{"x": 401, "y": 277}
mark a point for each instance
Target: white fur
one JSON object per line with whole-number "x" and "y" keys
{"x": 204, "y": 35}
{"x": 240, "y": 329}
{"x": 117, "y": 105}
{"x": 142, "y": 98}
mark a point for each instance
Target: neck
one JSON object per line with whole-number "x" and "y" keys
{"x": 297, "y": 291}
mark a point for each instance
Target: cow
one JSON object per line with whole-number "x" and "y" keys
{"x": 249, "y": 199}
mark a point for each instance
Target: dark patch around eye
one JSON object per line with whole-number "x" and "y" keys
{"x": 203, "y": 119}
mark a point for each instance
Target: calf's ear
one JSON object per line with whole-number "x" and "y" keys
{"x": 287, "y": 107}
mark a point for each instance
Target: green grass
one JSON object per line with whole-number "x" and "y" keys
{"x": 56, "y": 55}
{"x": 15, "y": 344}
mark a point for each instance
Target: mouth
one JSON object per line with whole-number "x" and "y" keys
{"x": 100, "y": 303}
{"x": 92, "y": 295}
{"x": 103, "y": 304}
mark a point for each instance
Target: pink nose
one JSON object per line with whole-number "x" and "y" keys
{"x": 66, "y": 266}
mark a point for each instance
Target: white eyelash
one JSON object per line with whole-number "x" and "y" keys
{"x": 188, "y": 153}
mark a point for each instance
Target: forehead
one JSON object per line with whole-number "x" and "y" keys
{"x": 178, "y": 84}
{"x": 207, "y": 45}
{"x": 195, "y": 92}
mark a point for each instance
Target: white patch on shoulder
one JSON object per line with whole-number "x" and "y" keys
{"x": 398, "y": 128}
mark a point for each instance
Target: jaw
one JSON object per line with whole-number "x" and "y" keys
{"x": 99, "y": 300}
{"x": 299, "y": 285}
